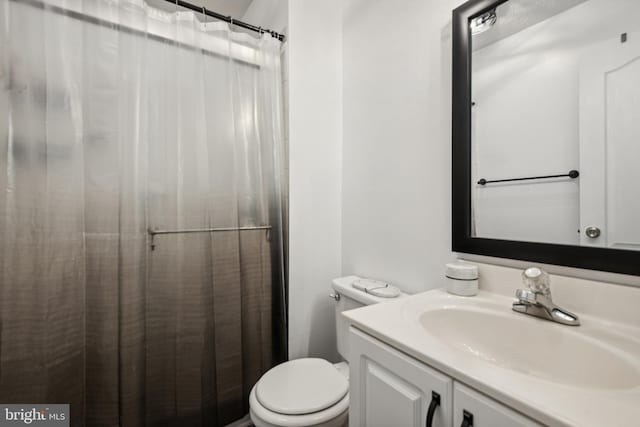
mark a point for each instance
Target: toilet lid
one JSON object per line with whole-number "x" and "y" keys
{"x": 301, "y": 386}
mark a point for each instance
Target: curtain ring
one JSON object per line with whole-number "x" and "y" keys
{"x": 204, "y": 14}
{"x": 230, "y": 22}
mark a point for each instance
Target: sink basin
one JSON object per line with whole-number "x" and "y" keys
{"x": 580, "y": 356}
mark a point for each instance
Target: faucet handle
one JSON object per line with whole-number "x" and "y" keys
{"x": 525, "y": 295}
{"x": 537, "y": 280}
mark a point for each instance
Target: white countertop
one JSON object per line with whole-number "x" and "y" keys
{"x": 398, "y": 324}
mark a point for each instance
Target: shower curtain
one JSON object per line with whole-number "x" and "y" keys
{"x": 116, "y": 119}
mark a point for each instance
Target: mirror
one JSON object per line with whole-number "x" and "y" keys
{"x": 556, "y": 98}
{"x": 547, "y": 130}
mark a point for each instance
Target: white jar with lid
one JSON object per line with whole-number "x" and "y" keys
{"x": 462, "y": 279}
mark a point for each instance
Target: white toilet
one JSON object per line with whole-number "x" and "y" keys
{"x": 311, "y": 392}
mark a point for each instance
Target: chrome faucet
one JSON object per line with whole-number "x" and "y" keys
{"x": 536, "y": 300}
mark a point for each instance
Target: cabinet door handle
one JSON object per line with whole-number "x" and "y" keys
{"x": 467, "y": 419}
{"x": 435, "y": 402}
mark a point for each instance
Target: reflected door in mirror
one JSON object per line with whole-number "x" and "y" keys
{"x": 610, "y": 143}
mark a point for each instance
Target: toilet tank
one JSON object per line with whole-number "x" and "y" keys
{"x": 349, "y": 299}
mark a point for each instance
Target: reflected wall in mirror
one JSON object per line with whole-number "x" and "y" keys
{"x": 555, "y": 91}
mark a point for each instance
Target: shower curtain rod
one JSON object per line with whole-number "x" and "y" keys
{"x": 225, "y": 18}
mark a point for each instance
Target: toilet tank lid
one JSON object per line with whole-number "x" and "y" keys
{"x": 344, "y": 286}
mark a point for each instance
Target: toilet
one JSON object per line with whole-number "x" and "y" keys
{"x": 310, "y": 391}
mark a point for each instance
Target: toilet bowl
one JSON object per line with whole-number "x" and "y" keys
{"x": 312, "y": 392}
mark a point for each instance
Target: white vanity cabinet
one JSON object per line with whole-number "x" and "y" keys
{"x": 482, "y": 411}
{"x": 391, "y": 389}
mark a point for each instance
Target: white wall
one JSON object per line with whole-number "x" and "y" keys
{"x": 271, "y": 14}
{"x": 315, "y": 127}
{"x": 397, "y": 140}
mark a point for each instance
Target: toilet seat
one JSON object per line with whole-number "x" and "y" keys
{"x": 301, "y": 386}
{"x": 302, "y": 392}
{"x": 333, "y": 416}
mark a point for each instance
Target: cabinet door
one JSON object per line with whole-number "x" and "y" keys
{"x": 389, "y": 388}
{"x": 486, "y": 412}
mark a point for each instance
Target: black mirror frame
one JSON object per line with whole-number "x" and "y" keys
{"x": 591, "y": 258}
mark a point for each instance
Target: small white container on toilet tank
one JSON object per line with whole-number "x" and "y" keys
{"x": 462, "y": 279}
